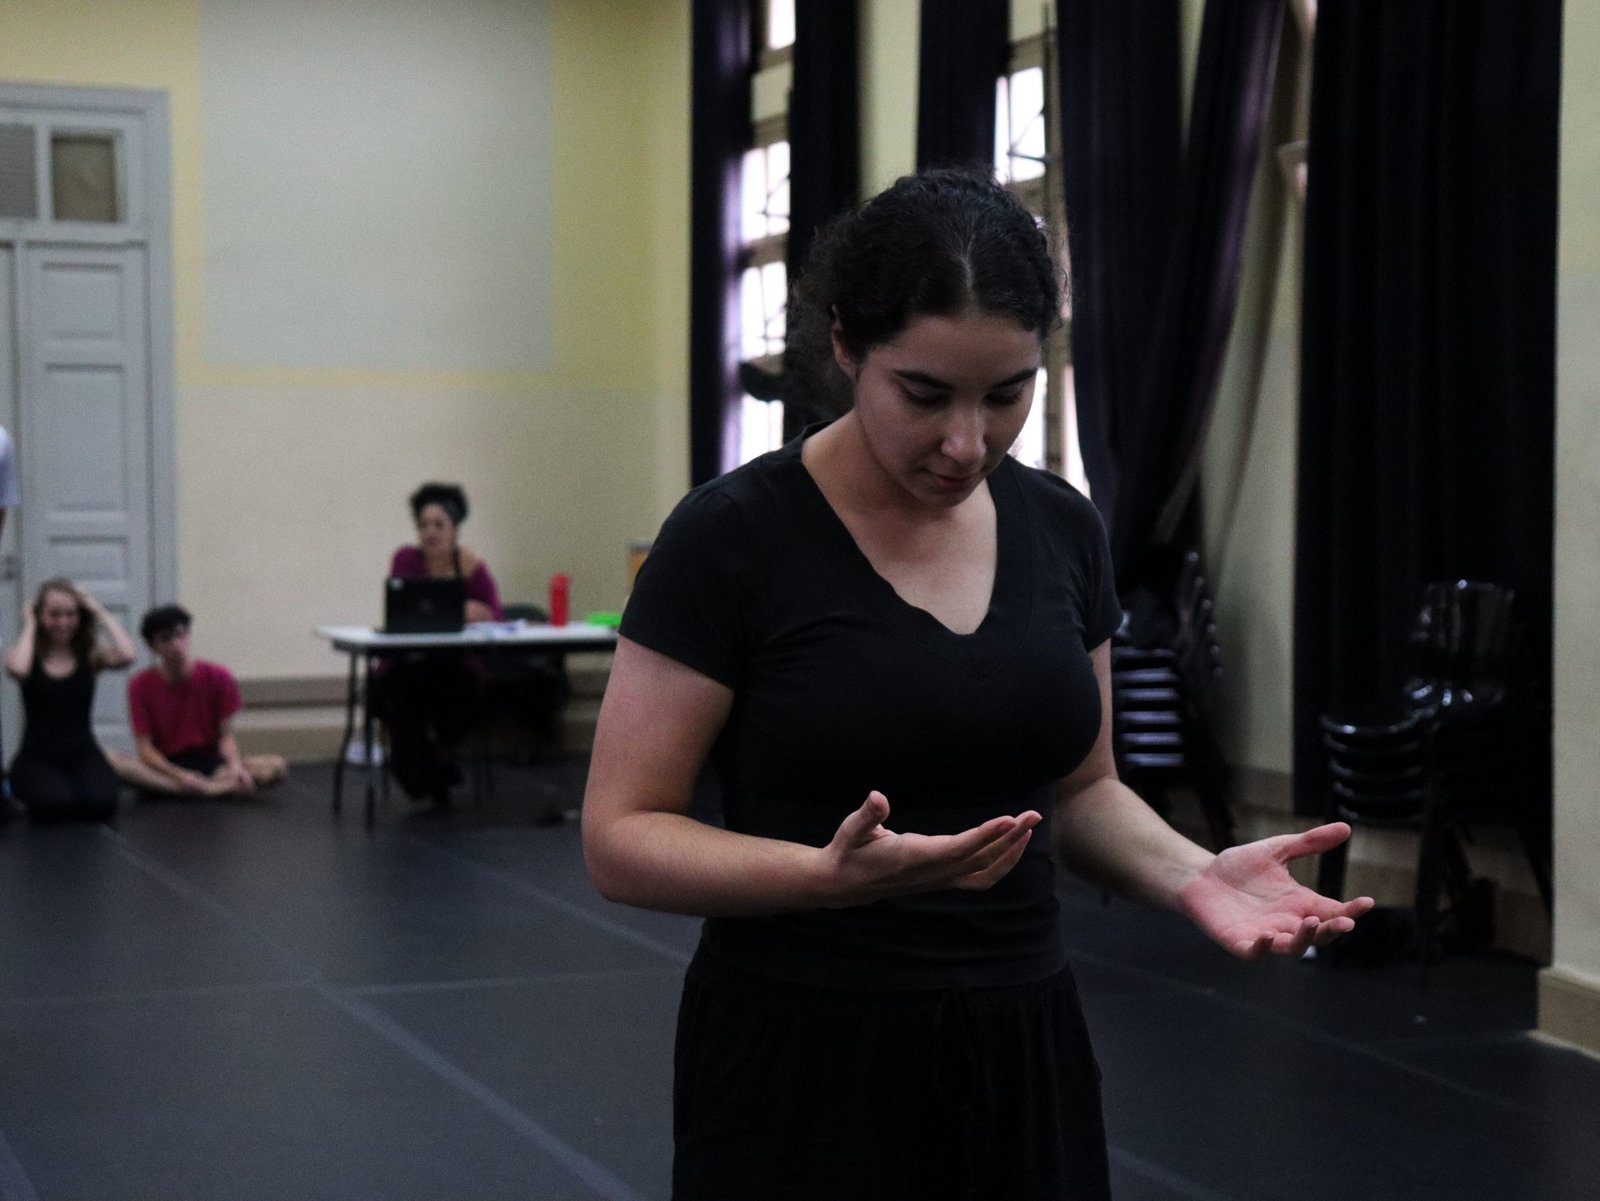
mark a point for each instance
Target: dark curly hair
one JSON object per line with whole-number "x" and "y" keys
{"x": 161, "y": 619}
{"x": 448, "y": 497}
{"x": 933, "y": 244}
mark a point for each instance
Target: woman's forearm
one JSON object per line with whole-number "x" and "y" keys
{"x": 1104, "y": 832}
{"x": 19, "y": 655}
{"x": 672, "y": 862}
{"x": 121, "y": 651}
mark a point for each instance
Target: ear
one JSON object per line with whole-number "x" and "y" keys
{"x": 847, "y": 364}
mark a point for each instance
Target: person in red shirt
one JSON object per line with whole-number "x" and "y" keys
{"x": 182, "y": 710}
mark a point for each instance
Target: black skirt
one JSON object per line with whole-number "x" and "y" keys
{"x": 793, "y": 1093}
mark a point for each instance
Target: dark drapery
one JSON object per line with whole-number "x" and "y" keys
{"x": 824, "y": 152}
{"x": 965, "y": 48}
{"x": 719, "y": 135}
{"x": 1121, "y": 115}
{"x": 1428, "y": 344}
{"x": 1155, "y": 281}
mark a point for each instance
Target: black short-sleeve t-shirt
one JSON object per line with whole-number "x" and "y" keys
{"x": 841, "y": 687}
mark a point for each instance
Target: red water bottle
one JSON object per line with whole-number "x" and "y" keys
{"x": 560, "y": 584}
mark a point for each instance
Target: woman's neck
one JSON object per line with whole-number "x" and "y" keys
{"x": 855, "y": 484}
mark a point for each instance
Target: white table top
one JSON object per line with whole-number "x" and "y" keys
{"x": 576, "y": 636}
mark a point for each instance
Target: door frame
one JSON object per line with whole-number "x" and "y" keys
{"x": 146, "y": 167}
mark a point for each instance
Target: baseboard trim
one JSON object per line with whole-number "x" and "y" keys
{"x": 1569, "y": 1008}
{"x": 302, "y": 717}
{"x": 285, "y": 692}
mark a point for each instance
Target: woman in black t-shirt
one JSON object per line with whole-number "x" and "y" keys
{"x": 892, "y": 609}
{"x": 60, "y": 772}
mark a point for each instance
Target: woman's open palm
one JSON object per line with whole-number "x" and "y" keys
{"x": 1247, "y": 901}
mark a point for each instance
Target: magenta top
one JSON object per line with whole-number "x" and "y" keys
{"x": 408, "y": 563}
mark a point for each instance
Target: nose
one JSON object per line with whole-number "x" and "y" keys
{"x": 964, "y": 436}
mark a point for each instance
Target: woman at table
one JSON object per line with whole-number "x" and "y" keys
{"x": 429, "y": 701}
{"x": 60, "y": 773}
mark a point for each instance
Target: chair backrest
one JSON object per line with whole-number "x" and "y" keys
{"x": 1463, "y": 644}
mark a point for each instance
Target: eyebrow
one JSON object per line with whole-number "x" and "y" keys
{"x": 932, "y": 381}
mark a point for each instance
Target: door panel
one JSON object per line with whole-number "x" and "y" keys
{"x": 10, "y": 602}
{"x": 84, "y": 440}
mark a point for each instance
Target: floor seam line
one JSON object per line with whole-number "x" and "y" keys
{"x": 591, "y": 1173}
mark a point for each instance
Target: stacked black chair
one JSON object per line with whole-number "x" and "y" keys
{"x": 1472, "y": 663}
{"x": 1163, "y": 690}
{"x": 1444, "y": 754}
{"x": 1384, "y": 773}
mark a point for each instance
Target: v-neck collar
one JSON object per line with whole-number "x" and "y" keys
{"x": 984, "y": 649}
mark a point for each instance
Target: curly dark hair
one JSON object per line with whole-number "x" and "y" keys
{"x": 88, "y": 631}
{"x": 161, "y": 620}
{"x": 448, "y": 497}
{"x": 937, "y": 243}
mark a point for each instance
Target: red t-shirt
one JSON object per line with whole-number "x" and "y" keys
{"x": 185, "y": 716}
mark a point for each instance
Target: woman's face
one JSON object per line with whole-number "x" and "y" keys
{"x": 942, "y": 402}
{"x": 435, "y": 531}
{"x": 58, "y": 617}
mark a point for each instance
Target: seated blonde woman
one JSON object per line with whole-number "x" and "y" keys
{"x": 60, "y": 773}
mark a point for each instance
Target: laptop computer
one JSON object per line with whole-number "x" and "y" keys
{"x": 421, "y": 605}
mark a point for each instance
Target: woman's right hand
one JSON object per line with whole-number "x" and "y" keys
{"x": 869, "y": 861}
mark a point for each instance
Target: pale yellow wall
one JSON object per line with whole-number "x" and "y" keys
{"x": 1577, "y": 544}
{"x": 890, "y": 37}
{"x": 291, "y": 482}
{"x": 1247, "y": 484}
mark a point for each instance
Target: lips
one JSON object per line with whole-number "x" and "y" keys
{"x": 954, "y": 483}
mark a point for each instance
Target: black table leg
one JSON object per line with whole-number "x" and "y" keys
{"x": 349, "y": 732}
{"x": 366, "y": 733}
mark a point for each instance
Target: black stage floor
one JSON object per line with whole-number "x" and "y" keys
{"x": 254, "y": 1000}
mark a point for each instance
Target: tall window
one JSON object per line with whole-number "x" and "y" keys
{"x": 764, "y": 224}
{"x": 1027, "y": 159}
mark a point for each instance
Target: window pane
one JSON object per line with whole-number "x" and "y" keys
{"x": 1002, "y": 129}
{"x": 1072, "y": 453}
{"x": 1025, "y": 122}
{"x": 760, "y": 427}
{"x": 83, "y": 177}
{"x": 778, "y": 188}
{"x": 774, "y": 306}
{"x": 1029, "y": 447}
{"x": 780, "y": 24}
{"x": 19, "y": 185}
{"x": 753, "y": 196}
{"x": 752, "y": 316}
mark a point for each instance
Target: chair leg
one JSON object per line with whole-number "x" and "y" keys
{"x": 1330, "y": 871}
{"x": 1212, "y": 787}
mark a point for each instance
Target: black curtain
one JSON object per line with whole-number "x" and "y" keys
{"x": 965, "y": 48}
{"x": 1121, "y": 118}
{"x": 824, "y": 158}
{"x": 1428, "y": 346}
{"x": 719, "y": 135}
{"x": 1155, "y": 281}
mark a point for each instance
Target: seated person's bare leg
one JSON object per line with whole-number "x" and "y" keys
{"x": 133, "y": 771}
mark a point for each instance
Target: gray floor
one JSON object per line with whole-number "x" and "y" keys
{"x": 256, "y": 1001}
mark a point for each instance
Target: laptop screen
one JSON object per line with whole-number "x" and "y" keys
{"x": 421, "y": 605}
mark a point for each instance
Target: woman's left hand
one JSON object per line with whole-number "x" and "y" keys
{"x": 1247, "y": 901}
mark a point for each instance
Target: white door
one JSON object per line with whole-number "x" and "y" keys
{"x": 86, "y": 359}
{"x": 10, "y": 607}
{"x": 83, "y": 435}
